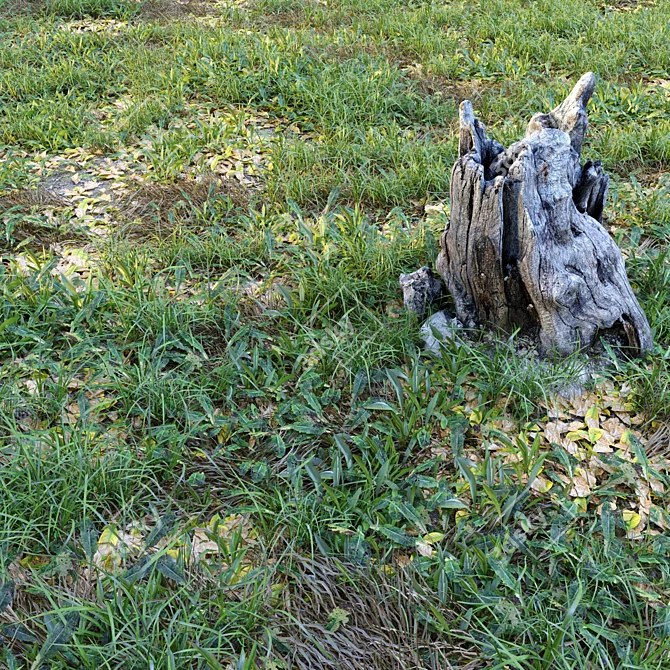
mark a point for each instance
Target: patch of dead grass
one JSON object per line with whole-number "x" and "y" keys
{"x": 379, "y": 627}
{"x": 151, "y": 204}
{"x": 169, "y": 10}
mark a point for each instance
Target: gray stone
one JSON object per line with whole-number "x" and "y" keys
{"x": 438, "y": 328}
{"x": 420, "y": 289}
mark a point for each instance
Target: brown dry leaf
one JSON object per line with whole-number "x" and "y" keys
{"x": 582, "y": 404}
{"x": 604, "y": 442}
{"x": 202, "y": 546}
{"x": 443, "y": 452}
{"x": 574, "y": 449}
{"x": 204, "y": 543}
{"x": 559, "y": 408}
{"x": 656, "y": 486}
{"x": 424, "y": 548}
{"x": 580, "y": 488}
{"x": 504, "y": 425}
{"x": 614, "y": 427}
{"x": 596, "y": 467}
{"x": 582, "y": 483}
{"x": 643, "y": 493}
{"x": 645, "y": 507}
{"x": 541, "y": 484}
{"x": 31, "y": 386}
{"x": 616, "y": 405}
{"x": 624, "y": 417}
{"x": 512, "y": 457}
{"x": 554, "y": 430}
{"x": 589, "y": 475}
{"x": 75, "y": 384}
{"x": 657, "y": 517}
{"x": 403, "y": 560}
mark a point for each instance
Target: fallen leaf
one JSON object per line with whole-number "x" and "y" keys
{"x": 541, "y": 484}
{"x": 554, "y": 430}
{"x": 580, "y": 487}
{"x": 424, "y": 548}
{"x": 631, "y": 519}
{"x": 577, "y": 435}
{"x": 592, "y": 418}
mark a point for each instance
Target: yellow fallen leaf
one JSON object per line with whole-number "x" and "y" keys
{"x": 594, "y": 435}
{"x": 34, "y": 561}
{"x": 576, "y": 435}
{"x": 626, "y": 437}
{"x": 541, "y": 484}
{"x": 631, "y": 519}
{"x": 240, "y": 574}
{"x": 592, "y": 417}
{"x": 433, "y": 538}
{"x": 476, "y": 417}
{"x": 109, "y": 535}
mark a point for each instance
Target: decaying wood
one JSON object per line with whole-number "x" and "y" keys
{"x": 525, "y": 248}
{"x": 420, "y": 289}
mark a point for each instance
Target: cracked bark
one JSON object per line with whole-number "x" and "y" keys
{"x": 525, "y": 248}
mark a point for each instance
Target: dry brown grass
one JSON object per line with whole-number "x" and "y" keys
{"x": 39, "y": 196}
{"x": 157, "y": 208}
{"x": 25, "y": 202}
{"x": 659, "y": 443}
{"x": 169, "y": 10}
{"x": 384, "y": 631}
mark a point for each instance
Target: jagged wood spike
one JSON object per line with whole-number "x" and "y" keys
{"x": 570, "y": 116}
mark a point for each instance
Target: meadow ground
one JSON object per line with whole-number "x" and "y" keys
{"x": 220, "y": 443}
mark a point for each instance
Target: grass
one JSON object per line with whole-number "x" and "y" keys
{"x": 221, "y": 445}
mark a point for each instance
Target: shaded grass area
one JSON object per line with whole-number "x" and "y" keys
{"x": 221, "y": 445}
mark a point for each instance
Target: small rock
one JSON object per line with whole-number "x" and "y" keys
{"x": 420, "y": 289}
{"x": 440, "y": 327}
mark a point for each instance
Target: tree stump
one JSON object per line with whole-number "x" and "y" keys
{"x": 525, "y": 248}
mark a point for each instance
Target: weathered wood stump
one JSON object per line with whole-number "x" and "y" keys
{"x": 525, "y": 248}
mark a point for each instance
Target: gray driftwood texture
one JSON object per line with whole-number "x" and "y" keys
{"x": 420, "y": 289}
{"x": 525, "y": 248}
